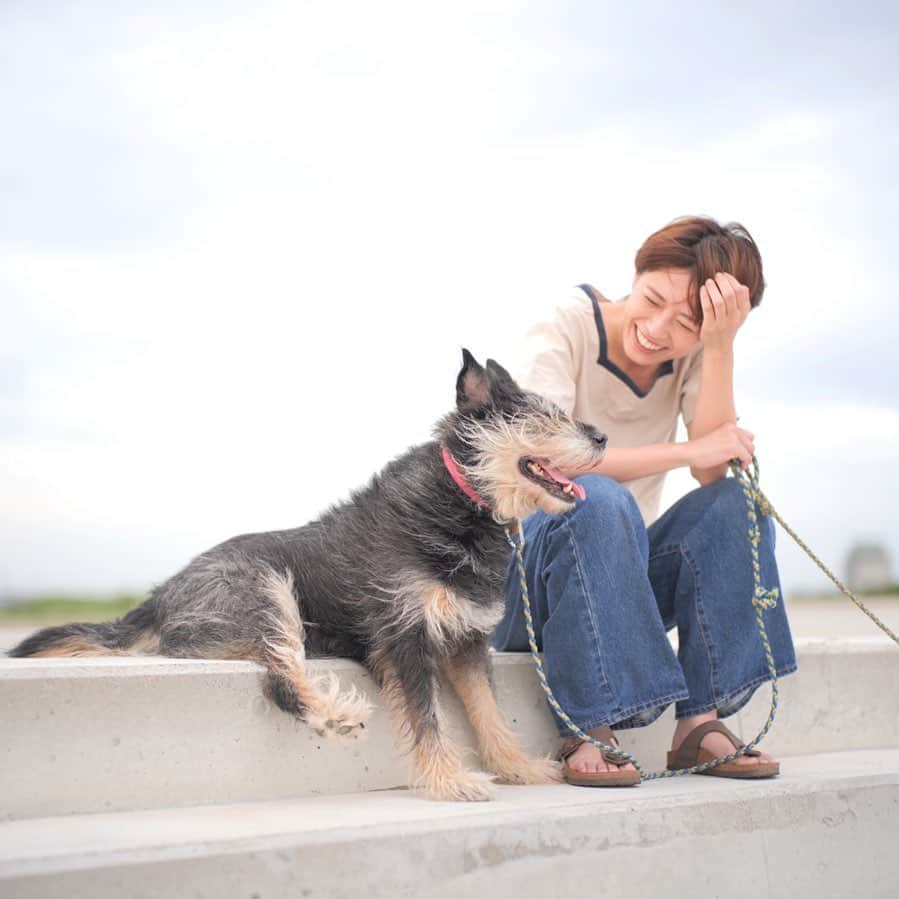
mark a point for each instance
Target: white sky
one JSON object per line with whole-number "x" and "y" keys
{"x": 240, "y": 250}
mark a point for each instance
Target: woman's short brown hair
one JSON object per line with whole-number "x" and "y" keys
{"x": 703, "y": 247}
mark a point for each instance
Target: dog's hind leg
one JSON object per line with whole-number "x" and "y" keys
{"x": 501, "y": 750}
{"x": 266, "y": 627}
{"x": 409, "y": 684}
{"x": 314, "y": 698}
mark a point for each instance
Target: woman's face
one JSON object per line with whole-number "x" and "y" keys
{"x": 659, "y": 322}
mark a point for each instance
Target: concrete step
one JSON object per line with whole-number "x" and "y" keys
{"x": 100, "y": 735}
{"x": 826, "y": 827}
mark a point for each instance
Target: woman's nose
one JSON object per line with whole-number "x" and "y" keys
{"x": 657, "y": 327}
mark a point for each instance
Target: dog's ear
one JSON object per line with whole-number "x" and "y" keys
{"x": 500, "y": 382}
{"x": 500, "y": 375}
{"x": 472, "y": 388}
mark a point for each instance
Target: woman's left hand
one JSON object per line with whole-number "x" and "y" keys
{"x": 725, "y": 305}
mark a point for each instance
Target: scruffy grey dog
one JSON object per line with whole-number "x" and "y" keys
{"x": 406, "y": 577}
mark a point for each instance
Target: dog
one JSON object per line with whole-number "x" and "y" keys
{"x": 406, "y": 576}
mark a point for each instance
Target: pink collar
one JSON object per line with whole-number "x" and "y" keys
{"x": 459, "y": 478}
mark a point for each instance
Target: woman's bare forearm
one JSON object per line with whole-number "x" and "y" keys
{"x": 714, "y": 405}
{"x": 627, "y": 463}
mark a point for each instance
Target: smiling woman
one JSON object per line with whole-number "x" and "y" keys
{"x": 607, "y": 580}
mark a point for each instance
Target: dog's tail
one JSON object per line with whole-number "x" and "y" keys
{"x": 136, "y": 633}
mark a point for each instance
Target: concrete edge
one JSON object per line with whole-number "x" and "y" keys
{"x": 137, "y": 666}
{"x": 174, "y": 833}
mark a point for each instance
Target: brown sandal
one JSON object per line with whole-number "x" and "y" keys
{"x": 617, "y": 778}
{"x": 690, "y": 753}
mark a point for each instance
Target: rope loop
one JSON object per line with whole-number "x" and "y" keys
{"x": 767, "y": 599}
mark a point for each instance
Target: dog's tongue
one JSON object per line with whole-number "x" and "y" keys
{"x": 579, "y": 491}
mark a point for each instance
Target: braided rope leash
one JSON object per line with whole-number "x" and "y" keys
{"x": 756, "y": 504}
{"x": 766, "y": 508}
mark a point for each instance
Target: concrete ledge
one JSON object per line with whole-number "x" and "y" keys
{"x": 826, "y": 827}
{"x": 97, "y": 735}
{"x": 843, "y": 697}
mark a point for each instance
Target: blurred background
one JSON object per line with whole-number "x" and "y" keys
{"x": 241, "y": 246}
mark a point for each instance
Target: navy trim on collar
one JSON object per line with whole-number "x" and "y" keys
{"x": 603, "y": 360}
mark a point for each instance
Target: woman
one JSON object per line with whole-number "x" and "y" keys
{"x": 608, "y": 579}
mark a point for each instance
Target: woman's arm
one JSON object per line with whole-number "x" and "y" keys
{"x": 714, "y": 405}
{"x": 627, "y": 463}
{"x": 725, "y": 305}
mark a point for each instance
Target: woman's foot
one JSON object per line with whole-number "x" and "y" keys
{"x": 588, "y": 758}
{"x": 584, "y": 765}
{"x": 716, "y": 743}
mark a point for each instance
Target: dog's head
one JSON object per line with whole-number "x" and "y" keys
{"x": 513, "y": 445}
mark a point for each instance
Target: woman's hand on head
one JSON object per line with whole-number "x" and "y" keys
{"x": 726, "y": 442}
{"x": 725, "y": 305}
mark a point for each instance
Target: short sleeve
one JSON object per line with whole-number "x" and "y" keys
{"x": 550, "y": 364}
{"x": 690, "y": 388}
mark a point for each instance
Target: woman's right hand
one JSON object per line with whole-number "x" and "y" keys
{"x": 726, "y": 442}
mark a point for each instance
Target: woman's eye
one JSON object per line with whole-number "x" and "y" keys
{"x": 686, "y": 327}
{"x": 651, "y": 301}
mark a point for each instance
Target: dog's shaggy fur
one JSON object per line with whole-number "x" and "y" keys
{"x": 406, "y": 577}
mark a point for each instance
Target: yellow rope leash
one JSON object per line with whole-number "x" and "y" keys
{"x": 756, "y": 504}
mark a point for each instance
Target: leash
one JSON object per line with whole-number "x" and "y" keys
{"x": 756, "y": 504}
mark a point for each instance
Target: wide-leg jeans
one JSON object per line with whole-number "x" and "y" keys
{"x": 604, "y": 590}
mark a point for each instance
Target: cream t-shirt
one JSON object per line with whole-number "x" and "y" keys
{"x": 567, "y": 361}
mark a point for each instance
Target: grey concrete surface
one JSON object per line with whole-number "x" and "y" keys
{"x": 835, "y": 616}
{"x": 838, "y": 616}
{"x": 94, "y": 735}
{"x": 844, "y": 696}
{"x": 825, "y": 827}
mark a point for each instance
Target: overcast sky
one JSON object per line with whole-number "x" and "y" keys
{"x": 240, "y": 249}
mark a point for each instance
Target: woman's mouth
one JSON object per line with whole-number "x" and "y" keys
{"x": 645, "y": 343}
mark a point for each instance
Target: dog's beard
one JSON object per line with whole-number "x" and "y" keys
{"x": 502, "y": 446}
{"x": 521, "y": 500}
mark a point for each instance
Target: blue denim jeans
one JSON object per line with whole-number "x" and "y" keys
{"x": 604, "y": 590}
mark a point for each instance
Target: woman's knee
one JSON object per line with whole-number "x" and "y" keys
{"x": 605, "y": 499}
{"x": 728, "y": 509}
{"x": 725, "y": 497}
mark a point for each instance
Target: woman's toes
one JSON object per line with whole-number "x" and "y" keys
{"x": 719, "y": 745}
{"x": 589, "y": 760}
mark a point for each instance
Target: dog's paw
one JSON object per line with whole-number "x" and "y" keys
{"x": 340, "y": 716}
{"x": 531, "y": 771}
{"x": 346, "y": 722}
{"x": 466, "y": 786}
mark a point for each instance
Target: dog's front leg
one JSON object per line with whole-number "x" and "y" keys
{"x": 410, "y": 684}
{"x": 500, "y": 748}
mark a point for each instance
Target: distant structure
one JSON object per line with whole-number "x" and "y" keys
{"x": 868, "y": 568}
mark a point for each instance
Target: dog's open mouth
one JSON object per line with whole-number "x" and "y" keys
{"x": 552, "y": 481}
